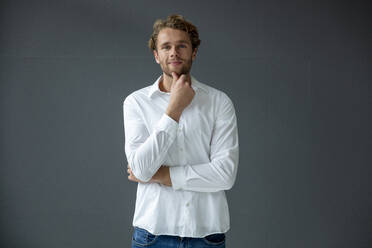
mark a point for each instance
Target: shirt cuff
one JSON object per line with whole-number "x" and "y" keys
{"x": 178, "y": 178}
{"x": 167, "y": 125}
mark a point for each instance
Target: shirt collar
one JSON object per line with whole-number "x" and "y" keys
{"x": 195, "y": 84}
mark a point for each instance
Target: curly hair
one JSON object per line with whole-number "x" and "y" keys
{"x": 175, "y": 22}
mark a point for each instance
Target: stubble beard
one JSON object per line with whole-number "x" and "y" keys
{"x": 184, "y": 70}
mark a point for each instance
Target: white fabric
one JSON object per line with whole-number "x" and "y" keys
{"x": 201, "y": 150}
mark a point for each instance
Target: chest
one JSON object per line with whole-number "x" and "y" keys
{"x": 196, "y": 122}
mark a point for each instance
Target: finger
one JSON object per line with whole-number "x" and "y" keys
{"x": 132, "y": 178}
{"x": 174, "y": 76}
{"x": 182, "y": 78}
{"x": 132, "y": 175}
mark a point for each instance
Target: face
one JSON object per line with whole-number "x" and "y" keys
{"x": 174, "y": 51}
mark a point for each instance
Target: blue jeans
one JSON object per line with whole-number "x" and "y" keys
{"x": 142, "y": 238}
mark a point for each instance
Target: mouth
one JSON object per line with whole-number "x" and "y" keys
{"x": 175, "y": 63}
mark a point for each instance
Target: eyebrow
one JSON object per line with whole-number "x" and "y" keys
{"x": 179, "y": 41}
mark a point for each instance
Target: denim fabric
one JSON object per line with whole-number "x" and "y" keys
{"x": 142, "y": 238}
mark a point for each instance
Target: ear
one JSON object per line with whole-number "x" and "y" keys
{"x": 194, "y": 54}
{"x": 156, "y": 56}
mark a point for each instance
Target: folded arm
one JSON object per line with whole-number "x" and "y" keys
{"x": 146, "y": 151}
{"x": 220, "y": 172}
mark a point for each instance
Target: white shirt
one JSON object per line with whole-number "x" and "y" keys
{"x": 201, "y": 150}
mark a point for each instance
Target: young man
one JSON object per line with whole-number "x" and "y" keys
{"x": 181, "y": 143}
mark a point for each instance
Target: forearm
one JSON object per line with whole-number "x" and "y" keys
{"x": 146, "y": 154}
{"x": 146, "y": 158}
{"x": 161, "y": 176}
{"x": 220, "y": 172}
{"x": 208, "y": 177}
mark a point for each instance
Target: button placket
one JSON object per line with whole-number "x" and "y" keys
{"x": 180, "y": 143}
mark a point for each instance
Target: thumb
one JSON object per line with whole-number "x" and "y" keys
{"x": 188, "y": 84}
{"x": 174, "y": 76}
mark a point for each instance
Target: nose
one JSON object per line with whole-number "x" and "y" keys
{"x": 173, "y": 52}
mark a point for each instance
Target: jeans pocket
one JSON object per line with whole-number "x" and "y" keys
{"x": 141, "y": 237}
{"x": 215, "y": 239}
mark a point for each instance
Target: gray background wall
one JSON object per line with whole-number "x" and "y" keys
{"x": 299, "y": 73}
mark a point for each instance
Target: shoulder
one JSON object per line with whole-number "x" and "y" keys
{"x": 219, "y": 102}
{"x": 218, "y": 96}
{"x": 137, "y": 96}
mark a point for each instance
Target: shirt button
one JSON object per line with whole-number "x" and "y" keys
{"x": 181, "y": 149}
{"x": 187, "y": 204}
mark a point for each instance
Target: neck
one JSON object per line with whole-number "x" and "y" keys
{"x": 166, "y": 82}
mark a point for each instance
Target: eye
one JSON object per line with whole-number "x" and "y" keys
{"x": 182, "y": 46}
{"x": 166, "y": 47}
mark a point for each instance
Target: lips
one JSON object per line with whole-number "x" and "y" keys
{"x": 175, "y": 63}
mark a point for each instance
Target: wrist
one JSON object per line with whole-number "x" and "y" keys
{"x": 174, "y": 114}
{"x": 162, "y": 176}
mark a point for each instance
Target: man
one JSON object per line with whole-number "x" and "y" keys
{"x": 181, "y": 143}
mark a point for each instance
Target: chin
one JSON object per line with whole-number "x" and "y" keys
{"x": 182, "y": 71}
{"x": 178, "y": 72}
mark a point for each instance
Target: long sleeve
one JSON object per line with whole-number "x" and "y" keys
{"x": 220, "y": 172}
{"x": 146, "y": 151}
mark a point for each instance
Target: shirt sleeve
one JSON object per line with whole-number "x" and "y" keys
{"x": 220, "y": 173}
{"x": 146, "y": 151}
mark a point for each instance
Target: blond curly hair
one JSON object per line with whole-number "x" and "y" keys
{"x": 175, "y": 22}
